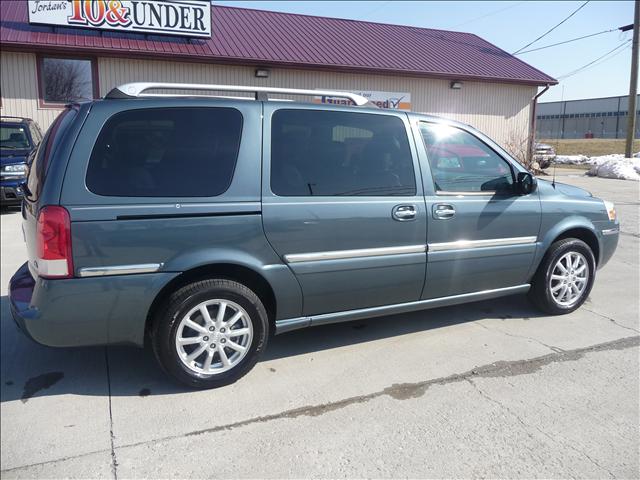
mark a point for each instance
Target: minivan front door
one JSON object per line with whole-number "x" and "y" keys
{"x": 482, "y": 234}
{"x": 343, "y": 205}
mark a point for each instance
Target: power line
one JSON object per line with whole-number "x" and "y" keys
{"x": 567, "y": 41}
{"x": 578, "y": 70}
{"x": 591, "y": 63}
{"x": 596, "y": 64}
{"x": 552, "y": 28}
{"x": 486, "y": 15}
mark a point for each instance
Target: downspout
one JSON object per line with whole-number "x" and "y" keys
{"x": 532, "y": 123}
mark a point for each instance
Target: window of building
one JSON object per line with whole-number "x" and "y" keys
{"x": 461, "y": 162}
{"x": 65, "y": 80}
{"x": 318, "y": 152}
{"x": 166, "y": 152}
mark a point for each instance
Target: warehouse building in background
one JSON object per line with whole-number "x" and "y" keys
{"x": 598, "y": 117}
{"x": 55, "y": 52}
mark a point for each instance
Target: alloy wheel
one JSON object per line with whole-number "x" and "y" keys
{"x": 569, "y": 278}
{"x": 214, "y": 336}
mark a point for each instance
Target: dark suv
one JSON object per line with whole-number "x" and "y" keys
{"x": 203, "y": 225}
{"x": 18, "y": 138}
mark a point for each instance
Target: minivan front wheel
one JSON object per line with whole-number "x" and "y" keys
{"x": 564, "y": 278}
{"x": 210, "y": 333}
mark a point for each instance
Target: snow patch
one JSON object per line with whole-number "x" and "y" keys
{"x": 606, "y": 166}
{"x": 616, "y": 166}
{"x": 571, "y": 159}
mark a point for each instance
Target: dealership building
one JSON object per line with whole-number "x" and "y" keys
{"x": 54, "y": 52}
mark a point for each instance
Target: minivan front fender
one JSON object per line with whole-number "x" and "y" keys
{"x": 572, "y": 226}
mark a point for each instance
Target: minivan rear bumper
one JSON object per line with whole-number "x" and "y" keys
{"x": 79, "y": 312}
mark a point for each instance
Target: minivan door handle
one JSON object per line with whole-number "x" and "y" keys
{"x": 443, "y": 211}
{"x": 404, "y": 213}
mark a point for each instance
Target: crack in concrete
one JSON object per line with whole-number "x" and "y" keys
{"x": 526, "y": 425}
{"x": 114, "y": 460}
{"x": 401, "y": 391}
{"x": 550, "y": 347}
{"x": 612, "y": 320}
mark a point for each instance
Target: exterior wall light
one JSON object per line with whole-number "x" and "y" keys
{"x": 262, "y": 73}
{"x": 455, "y": 85}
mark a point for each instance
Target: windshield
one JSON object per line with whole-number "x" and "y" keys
{"x": 14, "y": 137}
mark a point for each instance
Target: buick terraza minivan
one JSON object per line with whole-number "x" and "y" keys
{"x": 204, "y": 224}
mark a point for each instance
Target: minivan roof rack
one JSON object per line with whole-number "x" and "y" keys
{"x": 137, "y": 89}
{"x": 10, "y": 118}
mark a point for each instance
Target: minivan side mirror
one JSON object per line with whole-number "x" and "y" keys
{"x": 526, "y": 183}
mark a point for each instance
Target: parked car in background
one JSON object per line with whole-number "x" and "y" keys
{"x": 544, "y": 154}
{"x": 292, "y": 215}
{"x": 19, "y": 137}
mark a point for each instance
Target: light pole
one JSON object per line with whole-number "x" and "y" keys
{"x": 633, "y": 84}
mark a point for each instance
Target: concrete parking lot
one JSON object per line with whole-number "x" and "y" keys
{"x": 490, "y": 389}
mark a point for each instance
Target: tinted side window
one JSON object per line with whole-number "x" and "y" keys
{"x": 318, "y": 152}
{"x": 460, "y": 162}
{"x": 166, "y": 152}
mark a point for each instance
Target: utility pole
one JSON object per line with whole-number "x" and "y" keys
{"x": 633, "y": 84}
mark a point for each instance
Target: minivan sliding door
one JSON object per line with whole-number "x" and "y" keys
{"x": 342, "y": 205}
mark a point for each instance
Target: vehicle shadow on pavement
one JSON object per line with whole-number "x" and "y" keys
{"x": 29, "y": 370}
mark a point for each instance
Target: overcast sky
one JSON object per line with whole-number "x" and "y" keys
{"x": 511, "y": 25}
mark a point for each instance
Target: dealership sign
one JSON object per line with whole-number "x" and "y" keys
{"x": 190, "y": 18}
{"x": 393, "y": 100}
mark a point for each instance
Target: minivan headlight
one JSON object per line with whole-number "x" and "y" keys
{"x": 611, "y": 210}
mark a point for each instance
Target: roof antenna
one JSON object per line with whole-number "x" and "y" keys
{"x": 553, "y": 182}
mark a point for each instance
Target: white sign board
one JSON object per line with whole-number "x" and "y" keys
{"x": 392, "y": 100}
{"x": 189, "y": 18}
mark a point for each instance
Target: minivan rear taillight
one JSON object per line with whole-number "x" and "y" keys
{"x": 54, "y": 243}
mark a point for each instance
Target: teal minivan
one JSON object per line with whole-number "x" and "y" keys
{"x": 204, "y": 224}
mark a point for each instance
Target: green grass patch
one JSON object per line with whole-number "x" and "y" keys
{"x": 591, "y": 146}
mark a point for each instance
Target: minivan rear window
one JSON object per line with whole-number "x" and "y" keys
{"x": 166, "y": 152}
{"x": 39, "y": 160}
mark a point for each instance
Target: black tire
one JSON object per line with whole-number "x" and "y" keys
{"x": 169, "y": 316}
{"x": 540, "y": 293}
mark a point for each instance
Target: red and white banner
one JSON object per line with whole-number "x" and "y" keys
{"x": 189, "y": 18}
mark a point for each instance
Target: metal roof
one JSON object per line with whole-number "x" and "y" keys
{"x": 257, "y": 37}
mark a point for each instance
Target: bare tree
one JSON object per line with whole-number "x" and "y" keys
{"x": 518, "y": 146}
{"x": 66, "y": 80}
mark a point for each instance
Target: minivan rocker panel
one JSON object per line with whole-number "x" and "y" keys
{"x": 204, "y": 225}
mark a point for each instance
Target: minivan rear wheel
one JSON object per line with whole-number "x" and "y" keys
{"x": 210, "y": 333}
{"x": 564, "y": 278}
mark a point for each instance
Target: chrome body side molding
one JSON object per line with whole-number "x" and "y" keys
{"x": 356, "y": 253}
{"x": 290, "y": 324}
{"x": 119, "y": 270}
{"x": 611, "y": 231}
{"x": 492, "y": 242}
{"x": 432, "y": 247}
